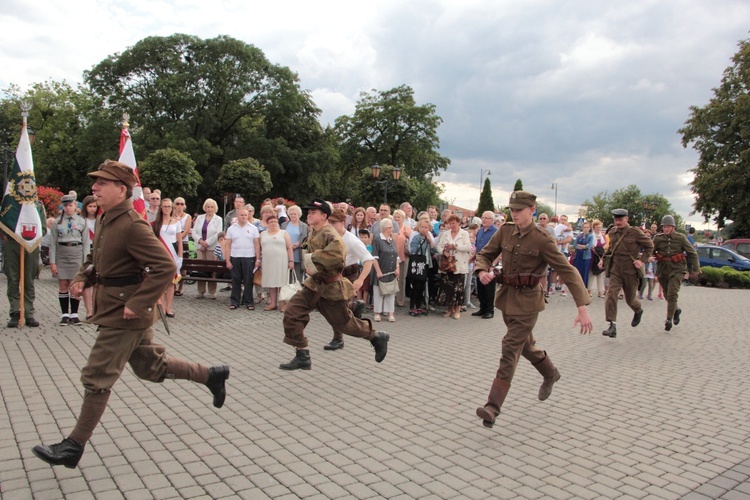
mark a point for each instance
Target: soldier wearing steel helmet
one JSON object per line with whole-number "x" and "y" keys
{"x": 675, "y": 256}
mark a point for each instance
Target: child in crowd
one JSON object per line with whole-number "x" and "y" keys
{"x": 364, "y": 293}
{"x": 219, "y": 248}
{"x": 648, "y": 279}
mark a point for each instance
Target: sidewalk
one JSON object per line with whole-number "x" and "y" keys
{"x": 649, "y": 414}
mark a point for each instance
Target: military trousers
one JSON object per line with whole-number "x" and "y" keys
{"x": 629, "y": 284}
{"x": 336, "y": 312}
{"x": 116, "y": 347}
{"x": 518, "y": 341}
{"x": 670, "y": 285}
{"x": 12, "y": 269}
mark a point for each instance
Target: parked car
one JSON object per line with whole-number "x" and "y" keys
{"x": 713, "y": 256}
{"x": 739, "y": 245}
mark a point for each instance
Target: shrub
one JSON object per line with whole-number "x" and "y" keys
{"x": 51, "y": 198}
{"x": 724, "y": 277}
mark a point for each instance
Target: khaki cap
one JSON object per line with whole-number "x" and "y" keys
{"x": 521, "y": 199}
{"x": 115, "y": 171}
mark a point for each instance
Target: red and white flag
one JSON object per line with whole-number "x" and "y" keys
{"x": 127, "y": 157}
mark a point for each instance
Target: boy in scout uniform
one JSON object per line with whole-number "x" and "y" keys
{"x": 325, "y": 289}
{"x": 130, "y": 270}
{"x": 526, "y": 251}
{"x": 629, "y": 248}
{"x": 670, "y": 249}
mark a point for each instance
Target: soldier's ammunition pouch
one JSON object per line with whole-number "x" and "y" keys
{"x": 521, "y": 280}
{"x": 678, "y": 257}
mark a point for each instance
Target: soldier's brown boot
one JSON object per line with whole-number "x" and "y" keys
{"x": 489, "y": 412}
{"x": 550, "y": 374}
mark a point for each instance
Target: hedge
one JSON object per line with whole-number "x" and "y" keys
{"x": 724, "y": 277}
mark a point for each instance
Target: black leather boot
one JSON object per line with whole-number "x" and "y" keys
{"x": 676, "y": 319}
{"x": 217, "y": 376}
{"x": 334, "y": 345}
{"x": 610, "y": 332}
{"x": 668, "y": 325}
{"x": 358, "y": 309}
{"x": 300, "y": 361}
{"x": 67, "y": 453}
{"x": 13, "y": 321}
{"x": 30, "y": 321}
{"x": 380, "y": 343}
{"x": 636, "y": 318}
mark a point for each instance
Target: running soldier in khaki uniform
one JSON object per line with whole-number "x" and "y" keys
{"x": 130, "y": 270}
{"x": 629, "y": 248}
{"x": 325, "y": 289}
{"x": 670, "y": 248}
{"x": 526, "y": 251}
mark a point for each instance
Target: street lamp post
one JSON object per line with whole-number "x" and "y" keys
{"x": 554, "y": 187}
{"x": 649, "y": 207}
{"x": 481, "y": 178}
{"x": 387, "y": 183}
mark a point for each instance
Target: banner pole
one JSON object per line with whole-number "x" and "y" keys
{"x": 22, "y": 316}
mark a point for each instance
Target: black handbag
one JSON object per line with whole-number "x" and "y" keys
{"x": 417, "y": 266}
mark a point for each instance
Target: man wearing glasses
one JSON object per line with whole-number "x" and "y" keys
{"x": 154, "y": 202}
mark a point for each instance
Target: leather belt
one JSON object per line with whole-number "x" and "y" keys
{"x": 70, "y": 243}
{"x": 122, "y": 281}
{"x": 678, "y": 257}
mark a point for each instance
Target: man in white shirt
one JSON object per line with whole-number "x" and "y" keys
{"x": 563, "y": 235}
{"x": 356, "y": 253}
{"x": 154, "y": 204}
{"x": 242, "y": 257}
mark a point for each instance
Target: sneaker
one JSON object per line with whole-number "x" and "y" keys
{"x": 640, "y": 296}
{"x": 75, "y": 321}
{"x": 391, "y": 318}
{"x": 376, "y": 317}
{"x": 64, "y": 321}
{"x": 564, "y": 293}
{"x": 423, "y": 311}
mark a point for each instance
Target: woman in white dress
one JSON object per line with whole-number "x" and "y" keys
{"x": 277, "y": 259}
{"x": 169, "y": 231}
{"x": 186, "y": 224}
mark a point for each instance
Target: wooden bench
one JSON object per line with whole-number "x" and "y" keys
{"x": 205, "y": 270}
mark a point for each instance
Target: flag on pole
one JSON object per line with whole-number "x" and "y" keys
{"x": 127, "y": 157}
{"x": 20, "y": 215}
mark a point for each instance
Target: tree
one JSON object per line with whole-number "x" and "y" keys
{"x": 245, "y": 176}
{"x": 217, "y": 100}
{"x": 389, "y": 128}
{"x": 720, "y": 132}
{"x": 171, "y": 171}
{"x": 632, "y": 200}
{"x": 518, "y": 186}
{"x": 485, "y": 198}
{"x": 72, "y": 133}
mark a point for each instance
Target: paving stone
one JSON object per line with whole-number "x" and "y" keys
{"x": 405, "y": 433}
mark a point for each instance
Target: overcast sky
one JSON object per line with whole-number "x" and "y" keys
{"x": 587, "y": 94}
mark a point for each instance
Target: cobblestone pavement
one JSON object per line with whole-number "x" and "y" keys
{"x": 649, "y": 414}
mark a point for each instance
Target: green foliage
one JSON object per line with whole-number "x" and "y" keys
{"x": 217, "y": 100}
{"x": 542, "y": 208}
{"x": 389, "y": 128}
{"x": 485, "y": 198}
{"x": 724, "y": 277}
{"x": 518, "y": 186}
{"x": 631, "y": 199}
{"x": 720, "y": 132}
{"x": 245, "y": 176}
{"x": 171, "y": 171}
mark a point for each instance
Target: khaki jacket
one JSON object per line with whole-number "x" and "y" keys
{"x": 325, "y": 257}
{"x": 124, "y": 246}
{"x": 633, "y": 245}
{"x": 528, "y": 252}
{"x": 674, "y": 244}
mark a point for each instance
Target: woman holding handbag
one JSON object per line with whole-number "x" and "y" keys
{"x": 420, "y": 260}
{"x": 454, "y": 247}
{"x": 386, "y": 269}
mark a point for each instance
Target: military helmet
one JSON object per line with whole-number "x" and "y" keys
{"x": 668, "y": 220}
